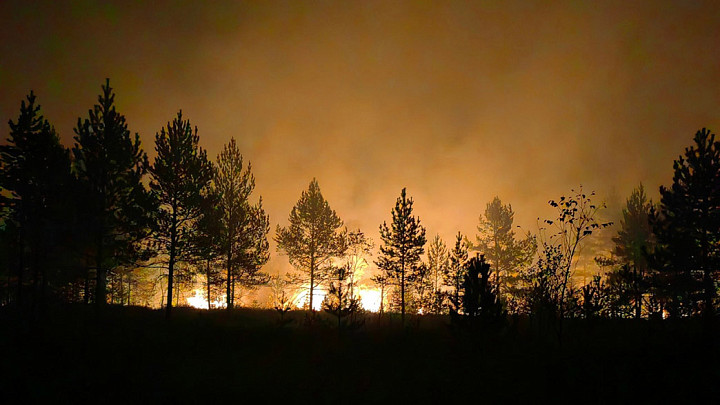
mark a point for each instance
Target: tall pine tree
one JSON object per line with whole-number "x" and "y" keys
{"x": 633, "y": 242}
{"x": 36, "y": 176}
{"x": 687, "y": 226}
{"x": 110, "y": 165}
{"x": 181, "y": 175}
{"x": 243, "y": 226}
{"x": 313, "y": 237}
{"x": 402, "y": 245}
{"x": 456, "y": 271}
{"x": 497, "y": 241}
{"x": 438, "y": 269}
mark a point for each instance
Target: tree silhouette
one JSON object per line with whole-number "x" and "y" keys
{"x": 593, "y": 297}
{"x": 206, "y": 244}
{"x": 633, "y": 242}
{"x": 575, "y": 222}
{"x": 456, "y": 271}
{"x": 544, "y": 282}
{"x": 341, "y": 301}
{"x": 181, "y": 175}
{"x": 687, "y": 226}
{"x": 312, "y": 238}
{"x": 281, "y": 302}
{"x": 438, "y": 270}
{"x": 480, "y": 302}
{"x": 402, "y": 245}
{"x": 35, "y": 173}
{"x": 382, "y": 281}
{"x": 110, "y": 166}
{"x": 243, "y": 226}
{"x": 497, "y": 241}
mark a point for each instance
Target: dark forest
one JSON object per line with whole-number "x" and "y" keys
{"x": 401, "y": 203}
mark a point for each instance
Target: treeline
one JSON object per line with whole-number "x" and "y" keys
{"x": 77, "y": 221}
{"x": 84, "y": 225}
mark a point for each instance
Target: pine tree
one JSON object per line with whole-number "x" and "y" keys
{"x": 206, "y": 244}
{"x": 181, "y": 175}
{"x": 402, "y": 245}
{"x": 254, "y": 251}
{"x": 438, "y": 269}
{"x": 280, "y": 300}
{"x": 243, "y": 226}
{"x": 312, "y": 239}
{"x": 341, "y": 301}
{"x": 456, "y": 271}
{"x": 35, "y": 176}
{"x": 110, "y": 165}
{"x": 633, "y": 242}
{"x": 479, "y": 298}
{"x": 687, "y": 226}
{"x": 496, "y": 240}
{"x": 382, "y": 281}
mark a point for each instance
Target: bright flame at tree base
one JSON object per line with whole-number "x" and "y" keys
{"x": 369, "y": 298}
{"x": 201, "y": 302}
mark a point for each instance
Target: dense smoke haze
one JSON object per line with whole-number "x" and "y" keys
{"x": 457, "y": 101}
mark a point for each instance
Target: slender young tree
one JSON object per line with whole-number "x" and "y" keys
{"x": 110, "y": 166}
{"x": 313, "y": 238}
{"x": 181, "y": 175}
{"x": 456, "y": 271}
{"x": 382, "y": 281}
{"x": 243, "y": 226}
{"x": 403, "y": 243}
{"x": 633, "y": 242}
{"x": 341, "y": 301}
{"x": 206, "y": 245}
{"x": 576, "y": 220}
{"x": 438, "y": 269}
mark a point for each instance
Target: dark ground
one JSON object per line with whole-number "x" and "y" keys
{"x": 135, "y": 355}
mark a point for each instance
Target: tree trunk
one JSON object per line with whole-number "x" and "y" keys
{"x": 232, "y": 290}
{"x": 177, "y": 294}
{"x": 35, "y": 276}
{"x": 87, "y": 285}
{"x": 638, "y": 296}
{"x": 20, "y": 268}
{"x": 100, "y": 276}
{"x": 171, "y": 263}
{"x": 340, "y": 303}
{"x": 312, "y": 281}
{"x": 382, "y": 297}
{"x": 43, "y": 285}
{"x": 122, "y": 290}
{"x": 229, "y": 299}
{"x": 208, "y": 283}
{"x": 402, "y": 292}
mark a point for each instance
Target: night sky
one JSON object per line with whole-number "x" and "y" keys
{"x": 457, "y": 101}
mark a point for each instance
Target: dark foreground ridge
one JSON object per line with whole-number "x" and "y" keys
{"x": 246, "y": 355}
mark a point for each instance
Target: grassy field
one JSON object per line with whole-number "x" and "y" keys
{"x": 135, "y": 354}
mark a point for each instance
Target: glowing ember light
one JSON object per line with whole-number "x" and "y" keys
{"x": 200, "y": 302}
{"x": 369, "y": 299}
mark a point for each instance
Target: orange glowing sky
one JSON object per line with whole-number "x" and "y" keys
{"x": 457, "y": 101}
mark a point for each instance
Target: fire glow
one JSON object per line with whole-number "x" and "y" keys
{"x": 199, "y": 301}
{"x": 369, "y": 299}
